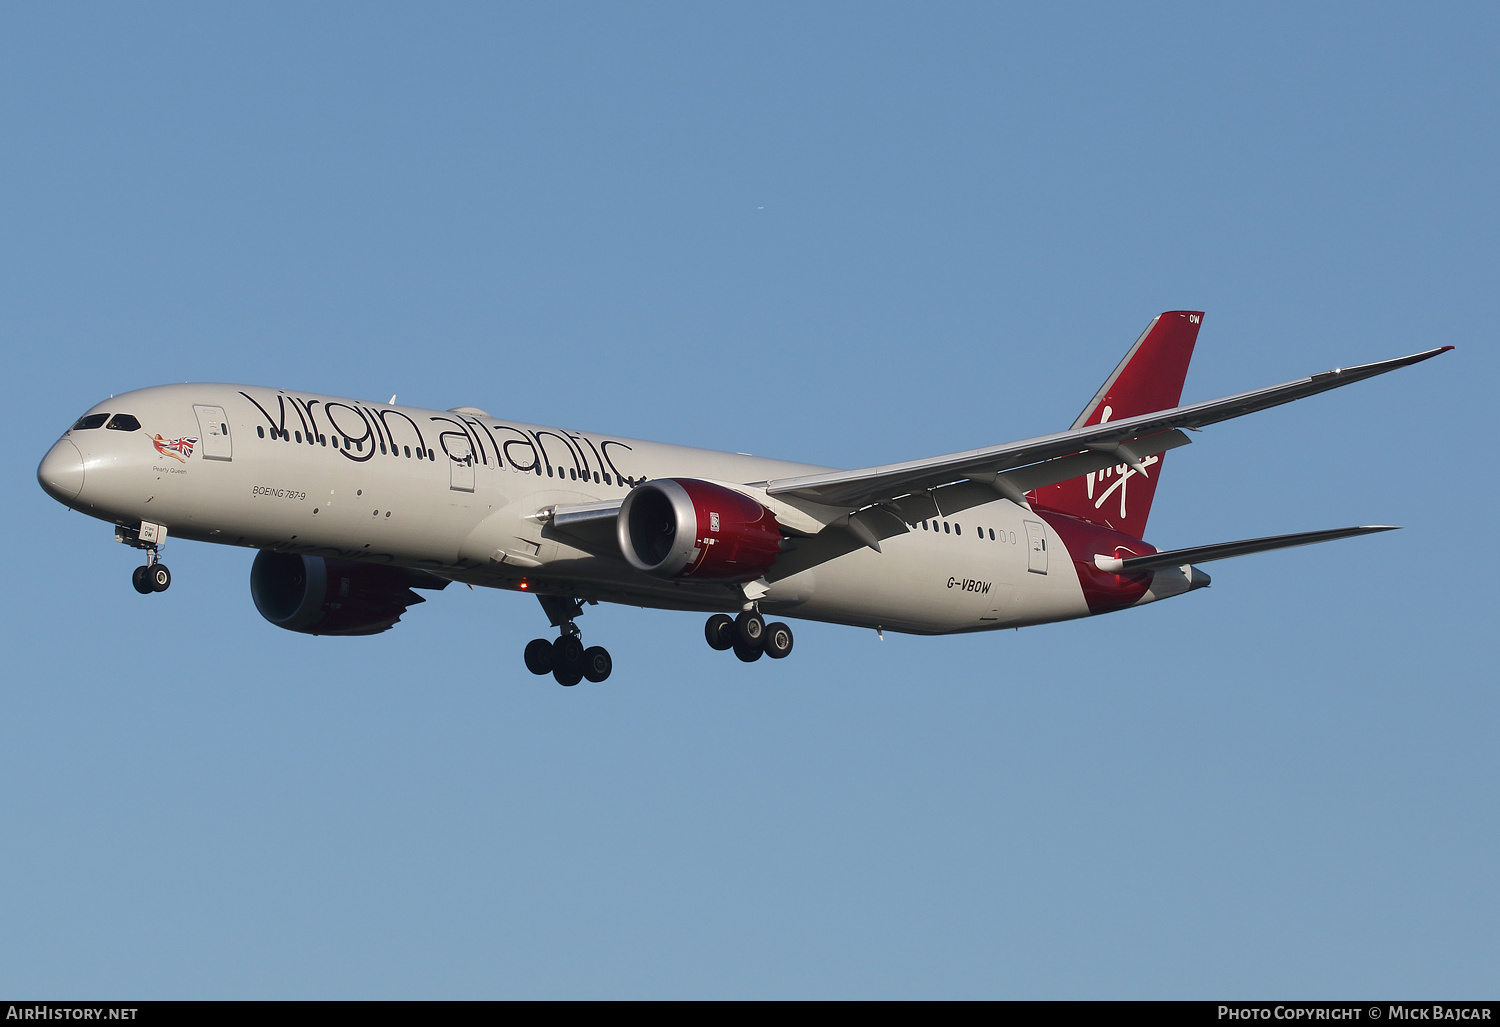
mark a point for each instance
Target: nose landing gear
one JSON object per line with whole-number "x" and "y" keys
{"x": 153, "y": 576}
{"x": 749, "y": 636}
{"x": 565, "y": 658}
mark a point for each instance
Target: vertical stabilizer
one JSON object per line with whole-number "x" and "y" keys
{"x": 1148, "y": 379}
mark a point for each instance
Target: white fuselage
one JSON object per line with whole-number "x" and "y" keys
{"x": 324, "y": 476}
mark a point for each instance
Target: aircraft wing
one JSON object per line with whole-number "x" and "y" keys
{"x": 1124, "y": 441}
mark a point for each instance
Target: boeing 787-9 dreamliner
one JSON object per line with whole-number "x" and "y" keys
{"x": 351, "y": 505}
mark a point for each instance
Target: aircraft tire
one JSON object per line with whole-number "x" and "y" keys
{"x": 720, "y": 632}
{"x": 567, "y": 649}
{"x": 139, "y": 580}
{"x": 778, "y": 641}
{"x": 597, "y": 663}
{"x": 159, "y": 577}
{"x": 539, "y": 656}
{"x": 750, "y": 629}
{"x": 748, "y": 653}
{"x": 567, "y": 660}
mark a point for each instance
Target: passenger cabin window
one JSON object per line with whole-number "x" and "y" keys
{"x": 123, "y": 422}
{"x": 90, "y": 421}
{"x": 260, "y": 431}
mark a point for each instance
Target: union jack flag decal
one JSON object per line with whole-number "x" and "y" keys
{"x": 177, "y": 449}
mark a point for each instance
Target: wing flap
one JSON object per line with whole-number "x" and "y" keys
{"x": 947, "y": 500}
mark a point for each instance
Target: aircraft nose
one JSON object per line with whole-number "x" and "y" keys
{"x": 61, "y": 472}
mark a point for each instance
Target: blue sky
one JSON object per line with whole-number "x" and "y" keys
{"x": 847, "y": 234}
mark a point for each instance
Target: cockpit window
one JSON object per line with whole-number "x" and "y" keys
{"x": 88, "y": 421}
{"x": 123, "y": 422}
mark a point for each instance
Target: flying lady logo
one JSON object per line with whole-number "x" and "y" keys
{"x": 177, "y": 449}
{"x": 1122, "y": 473}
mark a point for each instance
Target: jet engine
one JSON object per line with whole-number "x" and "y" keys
{"x": 686, "y": 528}
{"x": 317, "y": 596}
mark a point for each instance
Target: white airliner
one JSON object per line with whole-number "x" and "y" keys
{"x": 352, "y": 504}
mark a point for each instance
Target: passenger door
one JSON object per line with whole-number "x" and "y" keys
{"x": 1036, "y": 542}
{"x": 213, "y": 432}
{"x": 460, "y": 461}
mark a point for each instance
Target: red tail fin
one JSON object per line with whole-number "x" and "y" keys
{"x": 1148, "y": 379}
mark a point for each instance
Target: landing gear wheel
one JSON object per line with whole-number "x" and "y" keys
{"x": 539, "y": 656}
{"x": 750, "y": 628}
{"x": 748, "y": 653}
{"x": 720, "y": 631}
{"x": 140, "y": 581}
{"x": 159, "y": 577}
{"x": 778, "y": 640}
{"x": 567, "y": 660}
{"x": 596, "y": 663}
{"x": 567, "y": 649}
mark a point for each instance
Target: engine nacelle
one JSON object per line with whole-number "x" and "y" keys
{"x": 686, "y": 528}
{"x": 317, "y": 596}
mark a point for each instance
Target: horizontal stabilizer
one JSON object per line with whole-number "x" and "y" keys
{"x": 1224, "y": 550}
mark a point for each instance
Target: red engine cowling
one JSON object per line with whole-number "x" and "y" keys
{"x": 686, "y": 528}
{"x": 317, "y": 596}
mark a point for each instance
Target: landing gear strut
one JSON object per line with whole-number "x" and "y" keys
{"x": 565, "y": 658}
{"x": 153, "y": 576}
{"x": 748, "y": 635}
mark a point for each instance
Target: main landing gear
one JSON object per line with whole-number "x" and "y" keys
{"x": 749, "y": 636}
{"x": 565, "y": 658}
